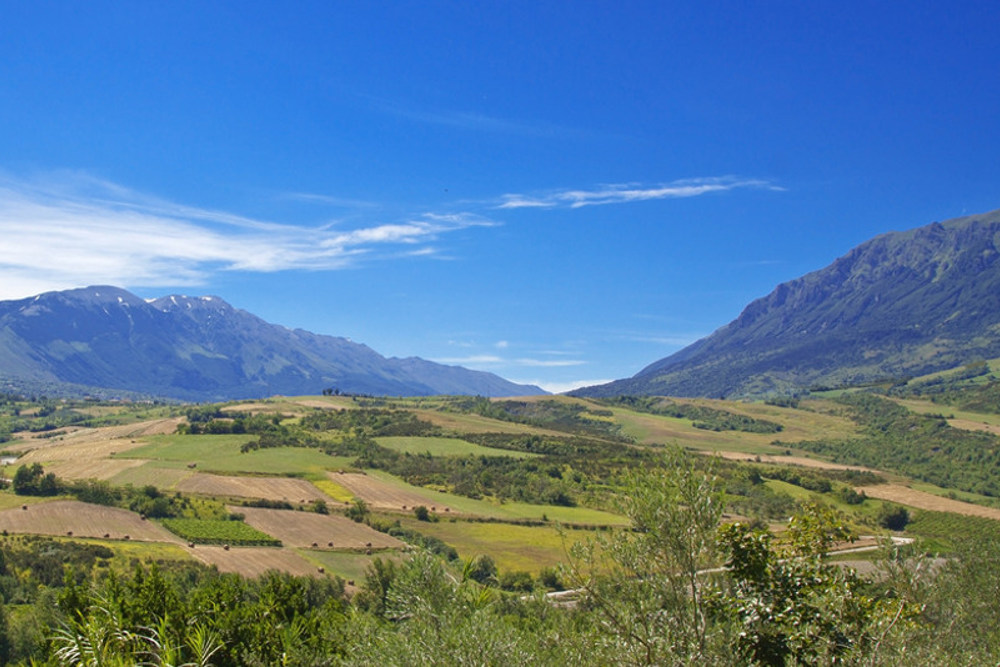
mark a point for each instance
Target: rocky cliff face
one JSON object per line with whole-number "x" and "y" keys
{"x": 904, "y": 303}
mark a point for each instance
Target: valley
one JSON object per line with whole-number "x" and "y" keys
{"x": 296, "y": 457}
{"x": 507, "y": 500}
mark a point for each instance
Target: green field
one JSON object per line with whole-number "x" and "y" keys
{"x": 217, "y": 531}
{"x": 445, "y": 447}
{"x": 334, "y": 490}
{"x": 797, "y": 424}
{"x": 350, "y": 566}
{"x": 941, "y": 530}
{"x": 221, "y": 454}
{"x": 509, "y": 510}
{"x": 930, "y": 408}
{"x": 512, "y": 547}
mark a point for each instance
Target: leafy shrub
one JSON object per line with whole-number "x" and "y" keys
{"x": 893, "y": 517}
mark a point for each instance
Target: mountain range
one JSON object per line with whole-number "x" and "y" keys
{"x": 902, "y": 304}
{"x": 899, "y": 305}
{"x": 202, "y": 349}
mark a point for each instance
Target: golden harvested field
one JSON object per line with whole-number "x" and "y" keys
{"x": 970, "y": 425}
{"x": 61, "y": 517}
{"x": 102, "y": 469}
{"x": 254, "y": 561}
{"x": 331, "y": 403}
{"x": 252, "y": 408}
{"x": 305, "y": 529}
{"x": 151, "y": 473}
{"x": 90, "y": 443}
{"x": 381, "y": 495}
{"x": 927, "y": 501}
{"x": 268, "y": 488}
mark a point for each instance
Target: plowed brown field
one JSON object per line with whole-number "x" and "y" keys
{"x": 927, "y": 501}
{"x": 254, "y": 561}
{"x": 379, "y": 494}
{"x": 304, "y": 529}
{"x": 84, "y": 520}
{"x": 268, "y": 488}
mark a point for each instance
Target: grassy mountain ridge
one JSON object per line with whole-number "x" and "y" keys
{"x": 901, "y": 304}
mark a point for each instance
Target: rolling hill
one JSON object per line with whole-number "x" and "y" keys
{"x": 901, "y": 304}
{"x": 201, "y": 349}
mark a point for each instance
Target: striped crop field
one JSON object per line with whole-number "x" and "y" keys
{"x": 322, "y": 531}
{"x": 219, "y": 531}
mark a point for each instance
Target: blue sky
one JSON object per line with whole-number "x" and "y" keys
{"x": 557, "y": 192}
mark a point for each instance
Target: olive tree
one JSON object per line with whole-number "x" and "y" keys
{"x": 647, "y": 583}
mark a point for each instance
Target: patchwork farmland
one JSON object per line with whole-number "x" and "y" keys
{"x": 496, "y": 477}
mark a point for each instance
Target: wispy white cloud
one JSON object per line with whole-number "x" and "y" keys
{"x": 72, "y": 229}
{"x": 493, "y": 360}
{"x": 630, "y": 192}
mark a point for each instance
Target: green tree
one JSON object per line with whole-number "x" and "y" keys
{"x": 481, "y": 569}
{"x": 645, "y": 583}
{"x": 893, "y": 517}
{"x": 319, "y": 506}
{"x": 358, "y": 510}
{"x": 5, "y": 648}
{"x": 374, "y": 592}
{"x": 27, "y": 478}
{"x": 789, "y": 604}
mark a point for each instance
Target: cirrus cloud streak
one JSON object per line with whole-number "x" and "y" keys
{"x": 631, "y": 192}
{"x": 76, "y": 230}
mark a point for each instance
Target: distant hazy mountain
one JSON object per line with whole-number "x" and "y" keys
{"x": 203, "y": 349}
{"x": 904, "y": 303}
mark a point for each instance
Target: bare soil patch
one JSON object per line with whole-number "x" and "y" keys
{"x": 322, "y": 531}
{"x": 379, "y": 494}
{"x": 803, "y": 461}
{"x": 64, "y": 517}
{"x": 268, "y": 488}
{"x": 254, "y": 561}
{"x": 904, "y": 495}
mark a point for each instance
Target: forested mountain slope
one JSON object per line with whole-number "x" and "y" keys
{"x": 203, "y": 349}
{"x": 901, "y": 304}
